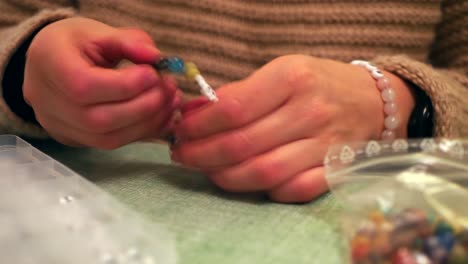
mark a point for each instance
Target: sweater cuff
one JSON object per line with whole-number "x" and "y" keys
{"x": 15, "y": 115}
{"x": 443, "y": 91}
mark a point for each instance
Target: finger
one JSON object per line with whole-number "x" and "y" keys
{"x": 167, "y": 127}
{"x": 102, "y": 118}
{"x": 109, "y": 140}
{"x": 127, "y": 43}
{"x": 109, "y": 117}
{"x": 239, "y": 104}
{"x": 301, "y": 188}
{"x": 92, "y": 85}
{"x": 273, "y": 168}
{"x": 83, "y": 80}
{"x": 193, "y": 105}
{"x": 241, "y": 144}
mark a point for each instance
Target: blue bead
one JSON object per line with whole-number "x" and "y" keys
{"x": 446, "y": 240}
{"x": 176, "y": 65}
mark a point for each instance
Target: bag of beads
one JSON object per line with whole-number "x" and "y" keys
{"x": 404, "y": 202}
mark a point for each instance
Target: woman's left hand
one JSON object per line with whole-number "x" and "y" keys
{"x": 270, "y": 132}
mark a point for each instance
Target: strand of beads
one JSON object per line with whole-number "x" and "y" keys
{"x": 177, "y": 66}
{"x": 388, "y": 96}
{"x": 410, "y": 236}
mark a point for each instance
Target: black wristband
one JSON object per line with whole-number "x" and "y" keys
{"x": 12, "y": 83}
{"x": 420, "y": 124}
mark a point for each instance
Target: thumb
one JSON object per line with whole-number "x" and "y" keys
{"x": 125, "y": 44}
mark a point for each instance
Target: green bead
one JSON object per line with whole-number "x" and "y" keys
{"x": 443, "y": 227}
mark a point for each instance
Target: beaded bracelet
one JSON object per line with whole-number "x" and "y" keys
{"x": 388, "y": 96}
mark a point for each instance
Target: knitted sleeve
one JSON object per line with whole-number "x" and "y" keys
{"x": 445, "y": 77}
{"x": 19, "y": 20}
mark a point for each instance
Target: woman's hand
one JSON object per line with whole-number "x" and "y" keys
{"x": 81, "y": 98}
{"x": 270, "y": 132}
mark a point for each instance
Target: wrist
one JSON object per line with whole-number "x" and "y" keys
{"x": 397, "y": 101}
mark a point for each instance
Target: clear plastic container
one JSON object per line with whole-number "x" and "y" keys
{"x": 50, "y": 214}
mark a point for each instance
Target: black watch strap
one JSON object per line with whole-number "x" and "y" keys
{"x": 421, "y": 124}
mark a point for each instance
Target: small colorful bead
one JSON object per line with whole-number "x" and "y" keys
{"x": 408, "y": 237}
{"x": 176, "y": 65}
{"x": 190, "y": 71}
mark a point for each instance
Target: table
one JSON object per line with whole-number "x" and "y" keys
{"x": 210, "y": 226}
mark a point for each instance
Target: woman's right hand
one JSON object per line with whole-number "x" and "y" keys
{"x": 78, "y": 95}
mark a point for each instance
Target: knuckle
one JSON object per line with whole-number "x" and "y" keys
{"x": 153, "y": 103}
{"x": 219, "y": 180}
{"x": 300, "y": 76}
{"x": 318, "y": 113}
{"x": 236, "y": 147}
{"x": 232, "y": 111}
{"x": 266, "y": 172}
{"x": 304, "y": 193}
{"x": 296, "y": 71}
{"x": 97, "y": 121}
{"x": 78, "y": 88}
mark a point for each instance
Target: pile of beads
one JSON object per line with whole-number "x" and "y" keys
{"x": 409, "y": 237}
{"x": 177, "y": 66}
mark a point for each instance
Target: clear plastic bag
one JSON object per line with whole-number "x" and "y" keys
{"x": 403, "y": 201}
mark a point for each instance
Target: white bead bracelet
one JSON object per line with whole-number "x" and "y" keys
{"x": 388, "y": 96}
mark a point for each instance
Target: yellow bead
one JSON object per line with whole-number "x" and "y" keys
{"x": 191, "y": 71}
{"x": 377, "y": 217}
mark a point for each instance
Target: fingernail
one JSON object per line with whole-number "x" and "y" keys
{"x": 175, "y": 103}
{"x": 154, "y": 51}
{"x": 193, "y": 105}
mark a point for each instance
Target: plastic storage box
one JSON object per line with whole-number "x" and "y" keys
{"x": 49, "y": 214}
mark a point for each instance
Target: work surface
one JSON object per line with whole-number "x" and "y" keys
{"x": 210, "y": 226}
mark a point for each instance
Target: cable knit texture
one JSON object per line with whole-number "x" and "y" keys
{"x": 422, "y": 41}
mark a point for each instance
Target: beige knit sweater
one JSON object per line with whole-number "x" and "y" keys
{"x": 423, "y": 41}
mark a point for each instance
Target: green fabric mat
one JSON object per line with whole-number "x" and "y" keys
{"x": 210, "y": 226}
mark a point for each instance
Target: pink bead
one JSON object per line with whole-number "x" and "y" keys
{"x": 388, "y": 95}
{"x": 391, "y": 122}
{"x": 390, "y": 108}
{"x": 388, "y": 135}
{"x": 403, "y": 256}
{"x": 383, "y": 83}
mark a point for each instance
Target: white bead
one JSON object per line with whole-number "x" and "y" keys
{"x": 376, "y": 74}
{"x": 205, "y": 88}
{"x": 391, "y": 122}
{"x": 388, "y": 95}
{"x": 390, "y": 108}
{"x": 371, "y": 67}
{"x": 388, "y": 135}
{"x": 359, "y": 62}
